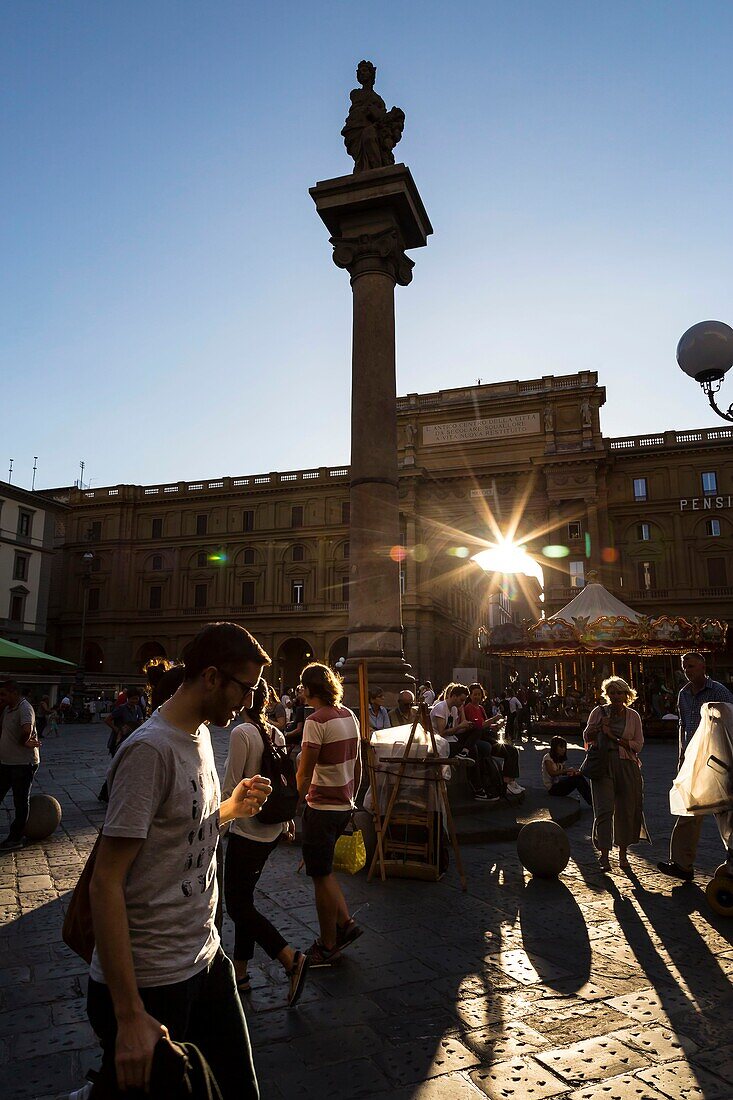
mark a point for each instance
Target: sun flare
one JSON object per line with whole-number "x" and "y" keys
{"x": 509, "y": 558}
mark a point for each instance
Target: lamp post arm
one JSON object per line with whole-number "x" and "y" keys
{"x": 710, "y": 391}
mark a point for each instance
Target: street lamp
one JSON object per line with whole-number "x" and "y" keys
{"x": 705, "y": 353}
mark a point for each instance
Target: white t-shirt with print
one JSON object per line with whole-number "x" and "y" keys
{"x": 164, "y": 790}
{"x": 449, "y": 714}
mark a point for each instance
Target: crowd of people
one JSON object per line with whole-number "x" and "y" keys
{"x": 175, "y": 843}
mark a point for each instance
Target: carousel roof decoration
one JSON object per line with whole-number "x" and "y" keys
{"x": 595, "y": 621}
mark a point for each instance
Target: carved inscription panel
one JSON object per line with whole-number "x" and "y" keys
{"x": 495, "y": 427}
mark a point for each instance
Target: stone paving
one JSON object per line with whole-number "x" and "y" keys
{"x": 583, "y": 988}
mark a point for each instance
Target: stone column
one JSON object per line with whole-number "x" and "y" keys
{"x": 373, "y": 217}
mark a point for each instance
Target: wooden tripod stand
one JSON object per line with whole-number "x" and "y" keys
{"x": 409, "y": 858}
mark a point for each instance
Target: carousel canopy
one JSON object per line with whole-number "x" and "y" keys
{"x": 593, "y": 602}
{"x": 595, "y": 621}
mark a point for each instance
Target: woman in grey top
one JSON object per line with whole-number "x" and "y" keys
{"x": 618, "y": 795}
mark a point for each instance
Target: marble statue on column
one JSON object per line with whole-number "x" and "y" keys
{"x": 371, "y": 131}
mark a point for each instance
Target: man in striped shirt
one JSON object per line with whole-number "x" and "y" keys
{"x": 328, "y": 780}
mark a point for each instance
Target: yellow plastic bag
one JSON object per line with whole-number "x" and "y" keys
{"x": 350, "y": 853}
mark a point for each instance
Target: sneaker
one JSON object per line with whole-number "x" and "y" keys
{"x": 318, "y": 955}
{"x": 480, "y": 796}
{"x": 11, "y": 844}
{"x": 347, "y": 934}
{"x": 83, "y": 1093}
{"x": 297, "y": 975}
{"x": 675, "y": 871}
{"x": 463, "y": 753}
{"x": 514, "y": 787}
{"x": 493, "y": 798}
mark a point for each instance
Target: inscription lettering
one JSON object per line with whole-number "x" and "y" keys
{"x": 495, "y": 427}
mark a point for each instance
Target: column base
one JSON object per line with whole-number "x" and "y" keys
{"x": 391, "y": 674}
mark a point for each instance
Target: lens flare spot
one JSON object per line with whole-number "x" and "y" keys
{"x": 610, "y": 554}
{"x": 398, "y": 553}
{"x": 555, "y": 551}
{"x": 587, "y": 544}
{"x": 459, "y": 551}
{"x": 420, "y": 552}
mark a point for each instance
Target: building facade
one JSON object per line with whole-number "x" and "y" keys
{"x": 30, "y": 528}
{"x": 525, "y": 461}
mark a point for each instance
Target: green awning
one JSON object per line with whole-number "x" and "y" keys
{"x": 19, "y": 658}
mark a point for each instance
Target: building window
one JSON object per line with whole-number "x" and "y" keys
{"x": 202, "y": 559}
{"x": 202, "y": 525}
{"x": 577, "y": 574}
{"x": 248, "y": 520}
{"x": 20, "y": 568}
{"x": 94, "y": 533}
{"x": 96, "y": 563}
{"x": 248, "y": 593}
{"x": 17, "y": 608}
{"x": 712, "y": 527}
{"x": 297, "y": 591}
{"x": 200, "y": 595}
{"x": 157, "y": 561}
{"x": 574, "y": 532}
{"x": 640, "y": 490}
{"x": 25, "y": 522}
{"x": 298, "y": 553}
{"x": 155, "y": 601}
{"x": 345, "y": 590}
{"x": 157, "y": 528}
{"x": 93, "y": 600}
{"x": 646, "y": 575}
{"x": 346, "y": 511}
{"x": 347, "y": 550}
{"x": 249, "y": 556}
{"x": 717, "y": 573}
{"x": 643, "y": 532}
{"x": 709, "y": 483}
{"x": 296, "y": 515}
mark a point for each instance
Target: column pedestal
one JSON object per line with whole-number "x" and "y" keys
{"x": 372, "y": 218}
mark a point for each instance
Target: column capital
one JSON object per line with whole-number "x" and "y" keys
{"x": 381, "y": 252}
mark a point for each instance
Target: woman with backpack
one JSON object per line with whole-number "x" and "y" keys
{"x": 256, "y": 743}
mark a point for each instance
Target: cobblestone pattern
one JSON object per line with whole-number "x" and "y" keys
{"x": 591, "y": 986}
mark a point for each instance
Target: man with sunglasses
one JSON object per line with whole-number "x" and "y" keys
{"x": 158, "y": 970}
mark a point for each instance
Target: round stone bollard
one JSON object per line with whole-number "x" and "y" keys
{"x": 44, "y": 817}
{"x": 543, "y": 848}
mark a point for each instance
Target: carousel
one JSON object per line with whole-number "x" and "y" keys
{"x": 566, "y": 656}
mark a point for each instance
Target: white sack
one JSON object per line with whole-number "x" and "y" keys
{"x": 704, "y": 784}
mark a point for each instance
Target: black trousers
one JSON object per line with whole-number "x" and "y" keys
{"x": 19, "y": 779}
{"x": 566, "y": 784}
{"x": 204, "y": 1010}
{"x": 243, "y": 865}
{"x": 509, "y": 754}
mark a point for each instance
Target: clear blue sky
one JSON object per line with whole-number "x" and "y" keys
{"x": 168, "y": 305}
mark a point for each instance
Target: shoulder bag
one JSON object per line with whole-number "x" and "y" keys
{"x": 595, "y": 765}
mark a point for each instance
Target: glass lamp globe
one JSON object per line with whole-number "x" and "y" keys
{"x": 705, "y": 351}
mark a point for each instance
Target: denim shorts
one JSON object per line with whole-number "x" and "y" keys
{"x": 321, "y": 830}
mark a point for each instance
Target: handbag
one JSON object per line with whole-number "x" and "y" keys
{"x": 595, "y": 764}
{"x": 78, "y": 930}
{"x": 350, "y": 852}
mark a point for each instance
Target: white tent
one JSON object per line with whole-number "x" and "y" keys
{"x": 591, "y": 603}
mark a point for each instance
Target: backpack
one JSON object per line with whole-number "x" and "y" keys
{"x": 279, "y": 769}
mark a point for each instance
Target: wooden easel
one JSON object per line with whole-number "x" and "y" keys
{"x": 429, "y": 865}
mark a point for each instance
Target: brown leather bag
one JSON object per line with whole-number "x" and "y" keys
{"x": 78, "y": 930}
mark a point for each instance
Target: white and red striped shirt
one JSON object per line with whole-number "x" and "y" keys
{"x": 335, "y": 731}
